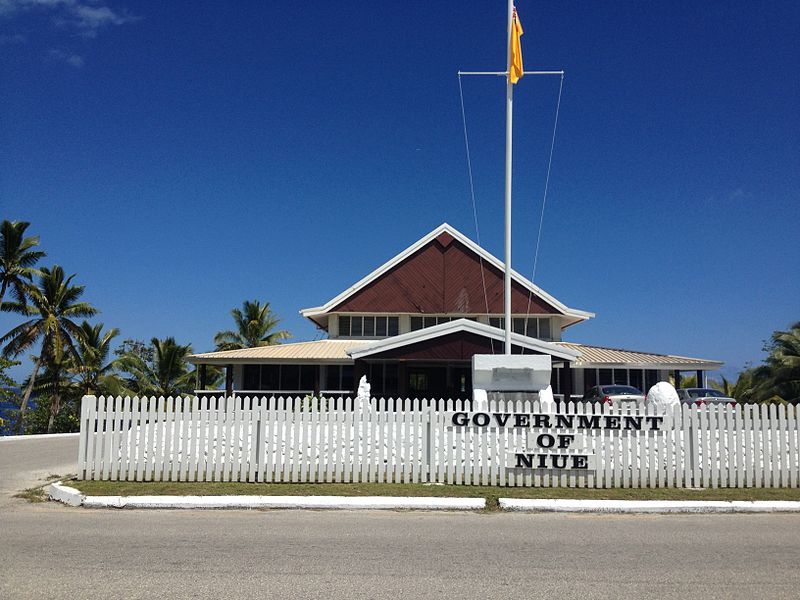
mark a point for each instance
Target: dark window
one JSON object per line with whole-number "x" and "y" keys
{"x": 589, "y": 378}
{"x": 621, "y": 376}
{"x": 429, "y": 322}
{"x": 544, "y": 329}
{"x": 394, "y": 325}
{"x": 347, "y": 377}
{"x": 344, "y": 326}
{"x": 270, "y": 377}
{"x": 416, "y": 323}
{"x": 555, "y": 380}
{"x": 390, "y": 381}
{"x": 605, "y": 377}
{"x": 650, "y": 378}
{"x": 376, "y": 379}
{"x": 252, "y": 377}
{"x": 355, "y": 326}
{"x": 333, "y": 374}
{"x": 518, "y": 325}
{"x": 308, "y": 376}
{"x": 497, "y": 322}
{"x": 290, "y": 377}
{"x": 636, "y": 378}
{"x": 380, "y": 326}
{"x": 369, "y": 326}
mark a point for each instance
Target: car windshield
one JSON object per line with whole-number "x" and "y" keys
{"x": 706, "y": 393}
{"x": 618, "y": 390}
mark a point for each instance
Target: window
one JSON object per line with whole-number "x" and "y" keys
{"x": 650, "y": 378}
{"x": 380, "y": 326}
{"x": 290, "y": 377}
{"x": 344, "y": 326}
{"x": 635, "y": 378}
{"x": 589, "y": 378}
{"x": 534, "y": 327}
{"x": 308, "y": 376}
{"x": 270, "y": 377}
{"x": 518, "y": 326}
{"x": 416, "y": 323}
{"x": 394, "y": 325}
{"x": 544, "y": 329}
{"x": 621, "y": 376}
{"x": 368, "y": 326}
{"x": 604, "y": 377}
{"x": 252, "y": 377}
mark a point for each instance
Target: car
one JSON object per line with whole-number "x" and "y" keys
{"x": 701, "y": 396}
{"x": 615, "y": 395}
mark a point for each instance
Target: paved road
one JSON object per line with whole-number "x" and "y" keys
{"x": 51, "y": 551}
{"x": 26, "y": 461}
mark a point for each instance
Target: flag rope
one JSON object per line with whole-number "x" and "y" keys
{"x": 472, "y": 195}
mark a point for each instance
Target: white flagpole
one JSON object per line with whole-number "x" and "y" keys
{"x": 509, "y": 119}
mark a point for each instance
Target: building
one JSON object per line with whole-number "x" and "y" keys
{"x": 414, "y": 323}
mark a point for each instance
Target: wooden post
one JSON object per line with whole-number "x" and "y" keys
{"x": 228, "y": 380}
{"x": 700, "y": 381}
{"x": 203, "y": 377}
{"x": 566, "y": 381}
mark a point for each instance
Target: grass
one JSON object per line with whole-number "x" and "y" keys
{"x": 163, "y": 488}
{"x": 38, "y": 493}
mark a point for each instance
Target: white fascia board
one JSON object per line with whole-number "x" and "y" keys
{"x": 445, "y": 228}
{"x": 666, "y": 366}
{"x": 421, "y": 335}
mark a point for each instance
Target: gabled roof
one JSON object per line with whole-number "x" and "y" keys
{"x": 467, "y": 326}
{"x": 573, "y": 315}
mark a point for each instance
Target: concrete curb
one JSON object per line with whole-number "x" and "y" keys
{"x": 38, "y": 436}
{"x": 312, "y": 502}
{"x": 62, "y": 493}
{"x": 648, "y": 506}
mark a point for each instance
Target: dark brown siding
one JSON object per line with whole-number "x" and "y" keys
{"x": 455, "y": 346}
{"x": 444, "y": 276}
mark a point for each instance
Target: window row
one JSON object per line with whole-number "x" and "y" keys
{"x": 534, "y": 327}
{"x": 425, "y": 322}
{"x": 288, "y": 378}
{"x": 643, "y": 379}
{"x": 368, "y": 326}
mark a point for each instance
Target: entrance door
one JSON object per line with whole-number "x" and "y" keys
{"x": 440, "y": 381}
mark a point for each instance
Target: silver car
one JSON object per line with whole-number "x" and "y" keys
{"x": 615, "y": 395}
{"x": 701, "y": 396}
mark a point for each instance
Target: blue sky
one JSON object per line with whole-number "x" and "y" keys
{"x": 182, "y": 157}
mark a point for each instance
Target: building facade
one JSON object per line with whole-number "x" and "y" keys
{"x": 412, "y": 325}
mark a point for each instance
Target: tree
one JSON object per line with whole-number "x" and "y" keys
{"x": 778, "y": 379}
{"x": 165, "y": 374}
{"x": 91, "y": 366}
{"x": 255, "y": 326}
{"x": 17, "y": 260}
{"x": 53, "y": 303}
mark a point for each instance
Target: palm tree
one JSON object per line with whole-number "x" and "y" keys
{"x": 779, "y": 377}
{"x": 17, "y": 260}
{"x": 92, "y": 368}
{"x": 52, "y": 304}
{"x": 255, "y": 324}
{"x": 166, "y": 374}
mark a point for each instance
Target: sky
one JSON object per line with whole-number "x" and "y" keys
{"x": 180, "y": 157}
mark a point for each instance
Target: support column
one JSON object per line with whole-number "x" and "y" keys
{"x": 203, "y": 373}
{"x": 677, "y": 375}
{"x": 402, "y": 379}
{"x": 566, "y": 381}
{"x": 228, "y": 380}
{"x": 701, "y": 380}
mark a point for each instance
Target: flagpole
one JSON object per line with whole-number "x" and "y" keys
{"x": 509, "y": 119}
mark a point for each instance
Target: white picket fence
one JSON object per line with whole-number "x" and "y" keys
{"x": 336, "y": 440}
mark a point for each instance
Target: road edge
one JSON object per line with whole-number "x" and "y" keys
{"x": 648, "y": 506}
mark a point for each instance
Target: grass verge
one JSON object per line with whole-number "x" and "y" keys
{"x": 37, "y": 493}
{"x": 164, "y": 488}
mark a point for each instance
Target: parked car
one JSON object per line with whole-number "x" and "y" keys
{"x": 615, "y": 395}
{"x": 701, "y": 396}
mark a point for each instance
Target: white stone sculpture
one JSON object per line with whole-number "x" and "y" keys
{"x": 546, "y": 400}
{"x": 662, "y": 397}
{"x": 364, "y": 388}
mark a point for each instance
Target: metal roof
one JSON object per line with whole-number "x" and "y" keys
{"x": 320, "y": 350}
{"x": 597, "y": 356}
{"x": 338, "y": 351}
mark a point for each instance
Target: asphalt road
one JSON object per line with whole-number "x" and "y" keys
{"x": 51, "y": 551}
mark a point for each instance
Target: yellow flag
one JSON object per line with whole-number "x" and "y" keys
{"x": 515, "y": 69}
